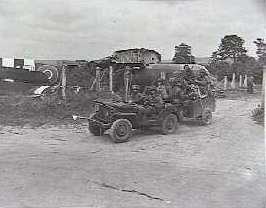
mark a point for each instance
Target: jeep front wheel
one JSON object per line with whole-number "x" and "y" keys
{"x": 121, "y": 130}
{"x": 169, "y": 124}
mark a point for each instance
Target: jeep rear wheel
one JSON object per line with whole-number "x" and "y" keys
{"x": 121, "y": 130}
{"x": 169, "y": 124}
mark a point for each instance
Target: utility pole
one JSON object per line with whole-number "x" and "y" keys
{"x": 127, "y": 75}
{"x": 111, "y": 79}
{"x": 63, "y": 79}
{"x": 98, "y": 79}
{"x": 263, "y": 84}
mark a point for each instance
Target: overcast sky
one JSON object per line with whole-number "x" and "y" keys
{"x": 90, "y": 29}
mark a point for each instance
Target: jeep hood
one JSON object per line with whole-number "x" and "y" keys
{"x": 118, "y": 105}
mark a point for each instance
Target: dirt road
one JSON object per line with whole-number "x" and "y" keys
{"x": 221, "y": 165}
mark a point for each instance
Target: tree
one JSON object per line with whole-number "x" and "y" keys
{"x": 261, "y": 50}
{"x": 219, "y": 69}
{"x": 231, "y": 46}
{"x": 247, "y": 65}
{"x": 183, "y": 54}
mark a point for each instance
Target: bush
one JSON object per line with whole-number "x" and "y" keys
{"x": 258, "y": 114}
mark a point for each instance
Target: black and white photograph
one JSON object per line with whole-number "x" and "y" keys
{"x": 132, "y": 103}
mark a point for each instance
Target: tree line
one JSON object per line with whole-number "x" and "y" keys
{"x": 230, "y": 57}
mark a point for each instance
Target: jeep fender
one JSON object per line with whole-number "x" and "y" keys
{"x": 132, "y": 117}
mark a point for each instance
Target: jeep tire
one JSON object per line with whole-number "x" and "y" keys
{"x": 121, "y": 130}
{"x": 169, "y": 124}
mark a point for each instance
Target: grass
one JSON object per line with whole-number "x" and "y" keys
{"x": 20, "y": 109}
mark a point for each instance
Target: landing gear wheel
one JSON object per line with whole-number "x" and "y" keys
{"x": 121, "y": 130}
{"x": 169, "y": 124}
{"x": 206, "y": 117}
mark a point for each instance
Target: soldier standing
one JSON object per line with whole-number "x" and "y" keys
{"x": 153, "y": 100}
{"x": 250, "y": 84}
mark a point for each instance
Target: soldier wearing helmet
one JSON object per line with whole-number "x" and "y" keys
{"x": 153, "y": 99}
{"x": 203, "y": 81}
{"x": 161, "y": 88}
{"x": 188, "y": 74}
{"x": 136, "y": 95}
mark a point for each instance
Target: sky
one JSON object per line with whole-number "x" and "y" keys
{"x": 93, "y": 29}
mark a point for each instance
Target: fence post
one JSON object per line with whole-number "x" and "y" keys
{"x": 225, "y": 82}
{"x": 233, "y": 83}
{"x": 126, "y": 81}
{"x": 240, "y": 80}
{"x": 246, "y": 81}
{"x": 263, "y": 84}
{"x": 111, "y": 79}
{"x": 63, "y": 78}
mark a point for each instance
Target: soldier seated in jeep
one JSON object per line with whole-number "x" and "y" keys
{"x": 152, "y": 99}
{"x": 161, "y": 89}
{"x": 136, "y": 96}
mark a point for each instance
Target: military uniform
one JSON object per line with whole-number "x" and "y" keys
{"x": 152, "y": 100}
{"x": 203, "y": 81}
{"x": 250, "y": 85}
{"x": 161, "y": 89}
{"x": 136, "y": 95}
{"x": 188, "y": 75}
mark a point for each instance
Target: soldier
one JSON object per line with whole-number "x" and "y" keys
{"x": 178, "y": 92}
{"x": 161, "y": 89}
{"x": 193, "y": 92}
{"x": 188, "y": 74}
{"x": 136, "y": 95}
{"x": 250, "y": 84}
{"x": 203, "y": 81}
{"x": 152, "y": 100}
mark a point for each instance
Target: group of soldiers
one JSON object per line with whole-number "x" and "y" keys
{"x": 179, "y": 87}
{"x": 191, "y": 85}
